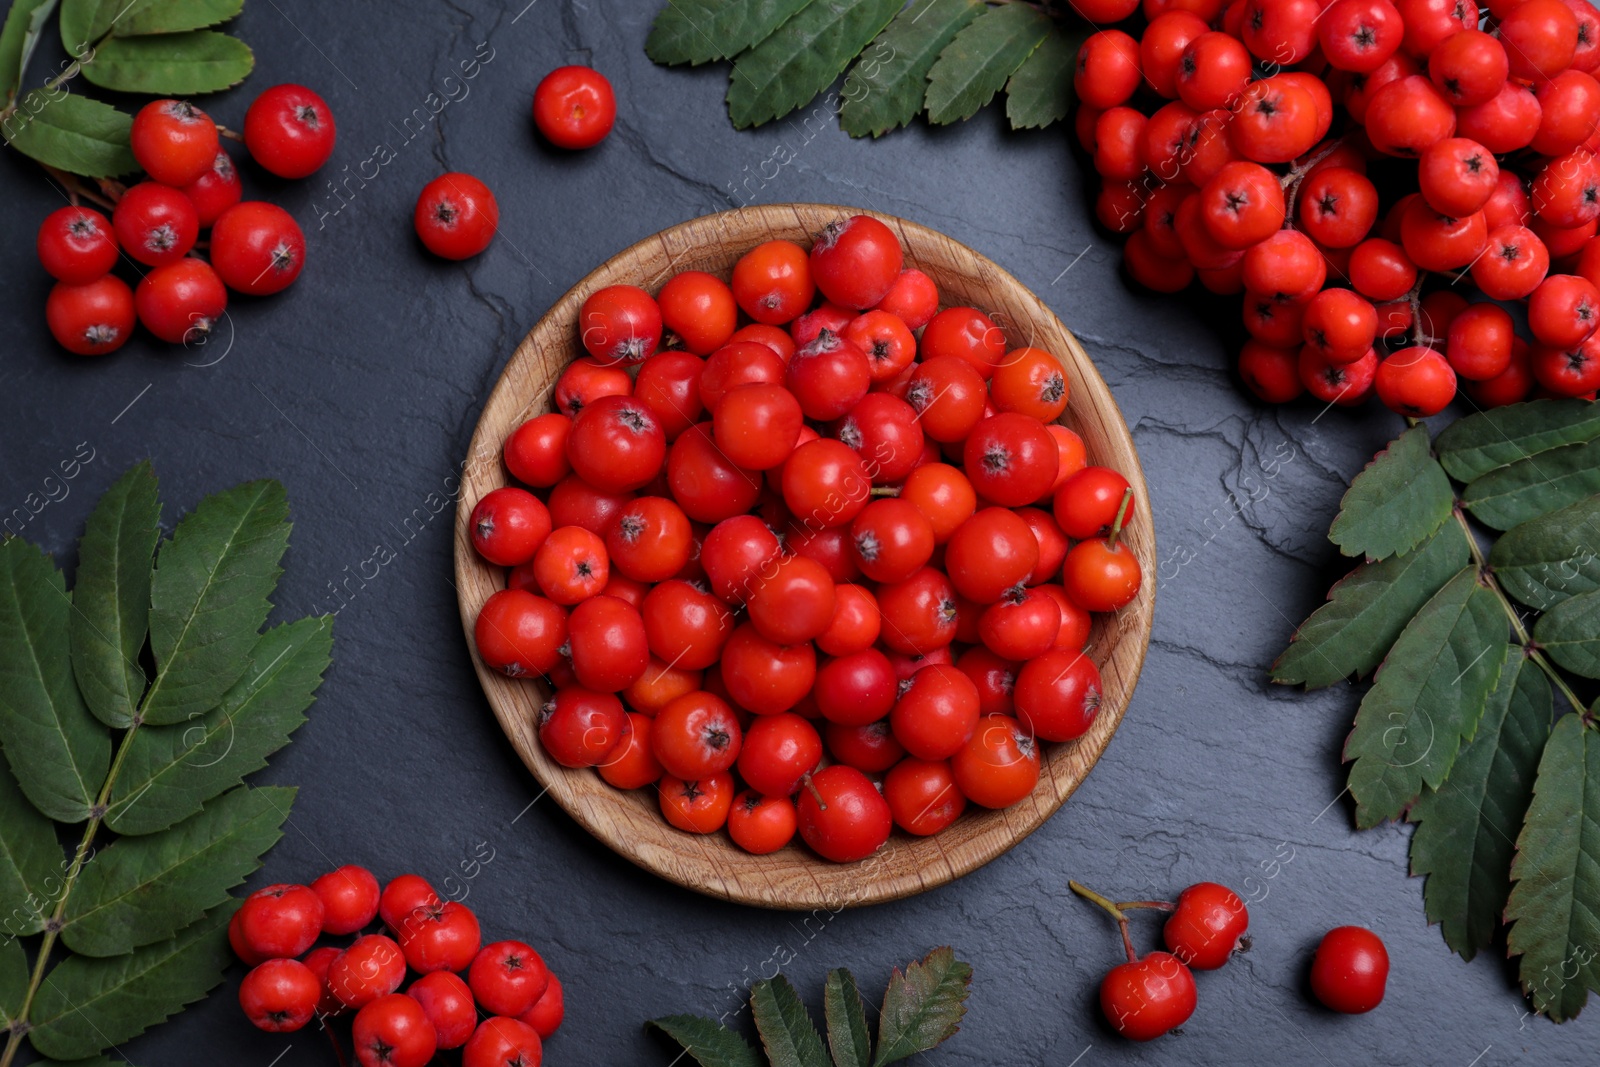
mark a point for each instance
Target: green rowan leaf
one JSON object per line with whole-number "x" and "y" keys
{"x": 13, "y": 981}
{"x": 31, "y": 863}
{"x": 1401, "y": 497}
{"x": 803, "y": 57}
{"x": 923, "y": 1006}
{"x": 83, "y": 22}
{"x": 1427, "y": 699}
{"x": 886, "y": 87}
{"x": 169, "y": 772}
{"x": 145, "y": 889}
{"x": 56, "y": 749}
{"x": 1467, "y": 828}
{"x": 977, "y": 62}
{"x": 1041, "y": 91}
{"x": 111, "y": 600}
{"x": 1474, "y": 446}
{"x": 786, "y": 1030}
{"x": 1554, "y": 907}
{"x": 209, "y": 597}
{"x": 1549, "y": 559}
{"x": 699, "y": 31}
{"x": 174, "y": 16}
{"x": 173, "y": 64}
{"x": 1367, "y": 609}
{"x": 849, "y": 1039}
{"x": 19, "y": 36}
{"x": 86, "y": 1005}
{"x": 71, "y": 133}
{"x": 708, "y": 1043}
{"x": 1570, "y": 633}
{"x": 1528, "y": 488}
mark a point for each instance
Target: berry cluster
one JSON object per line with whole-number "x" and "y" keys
{"x": 191, "y": 185}
{"x": 805, "y": 556}
{"x": 291, "y": 982}
{"x": 1154, "y": 994}
{"x": 457, "y": 215}
{"x": 1235, "y": 141}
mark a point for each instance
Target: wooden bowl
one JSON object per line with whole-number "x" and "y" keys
{"x": 630, "y": 822}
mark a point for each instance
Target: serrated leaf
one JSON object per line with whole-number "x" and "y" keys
{"x": 803, "y": 57}
{"x": 18, "y": 38}
{"x": 171, "y": 64}
{"x": 786, "y": 1030}
{"x": 1554, "y": 908}
{"x": 56, "y": 749}
{"x": 209, "y": 597}
{"x": 83, "y": 22}
{"x": 1467, "y": 828}
{"x": 848, "y": 1037}
{"x": 111, "y": 596}
{"x": 1570, "y": 633}
{"x": 886, "y": 86}
{"x": 13, "y": 981}
{"x": 145, "y": 889}
{"x": 923, "y": 1006}
{"x": 30, "y": 863}
{"x": 699, "y": 31}
{"x": 1474, "y": 446}
{"x": 1427, "y": 698}
{"x": 1549, "y": 559}
{"x": 170, "y": 771}
{"x": 87, "y": 1005}
{"x": 1041, "y": 91}
{"x": 1522, "y": 491}
{"x": 72, "y": 133}
{"x": 174, "y": 16}
{"x": 1401, "y": 497}
{"x": 978, "y": 60}
{"x": 708, "y": 1043}
{"x": 1367, "y": 609}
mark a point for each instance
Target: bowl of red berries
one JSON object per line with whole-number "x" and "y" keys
{"x": 800, "y": 552}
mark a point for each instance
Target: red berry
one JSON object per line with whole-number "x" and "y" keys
{"x": 447, "y": 1002}
{"x": 456, "y": 216}
{"x": 1350, "y": 969}
{"x": 216, "y": 190}
{"x": 280, "y": 995}
{"x": 507, "y": 978}
{"x": 1148, "y": 997}
{"x": 155, "y": 224}
{"x": 289, "y": 130}
{"x": 441, "y": 937}
{"x": 76, "y": 245}
{"x": 174, "y": 141}
{"x": 180, "y": 302}
{"x": 372, "y": 967}
{"x": 574, "y": 107}
{"x": 856, "y": 261}
{"x": 548, "y": 1011}
{"x": 1205, "y": 927}
{"x": 620, "y": 324}
{"x": 349, "y": 898}
{"x": 393, "y": 1031}
{"x": 403, "y": 895}
{"x": 91, "y": 319}
{"x": 842, "y": 816}
{"x": 257, "y": 248}
{"x": 502, "y": 1042}
{"x": 280, "y": 920}
{"x": 1416, "y": 382}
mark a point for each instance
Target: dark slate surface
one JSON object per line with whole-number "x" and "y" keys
{"x": 359, "y": 388}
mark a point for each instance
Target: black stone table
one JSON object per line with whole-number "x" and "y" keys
{"x": 360, "y": 386}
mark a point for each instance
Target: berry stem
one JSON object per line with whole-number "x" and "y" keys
{"x": 884, "y": 490}
{"x": 1122, "y": 515}
{"x": 232, "y": 135}
{"x": 1114, "y": 910}
{"x": 1414, "y": 298}
{"x": 1158, "y": 905}
{"x": 333, "y": 1039}
{"x": 815, "y": 793}
{"x": 1296, "y": 177}
{"x": 76, "y": 190}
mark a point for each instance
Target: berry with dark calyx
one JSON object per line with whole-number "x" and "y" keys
{"x": 76, "y": 245}
{"x": 456, "y": 216}
{"x": 257, "y": 248}
{"x": 289, "y": 130}
{"x": 91, "y": 319}
{"x": 155, "y": 223}
{"x": 180, "y": 302}
{"x": 174, "y": 141}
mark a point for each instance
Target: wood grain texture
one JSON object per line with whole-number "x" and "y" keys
{"x": 630, "y": 822}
